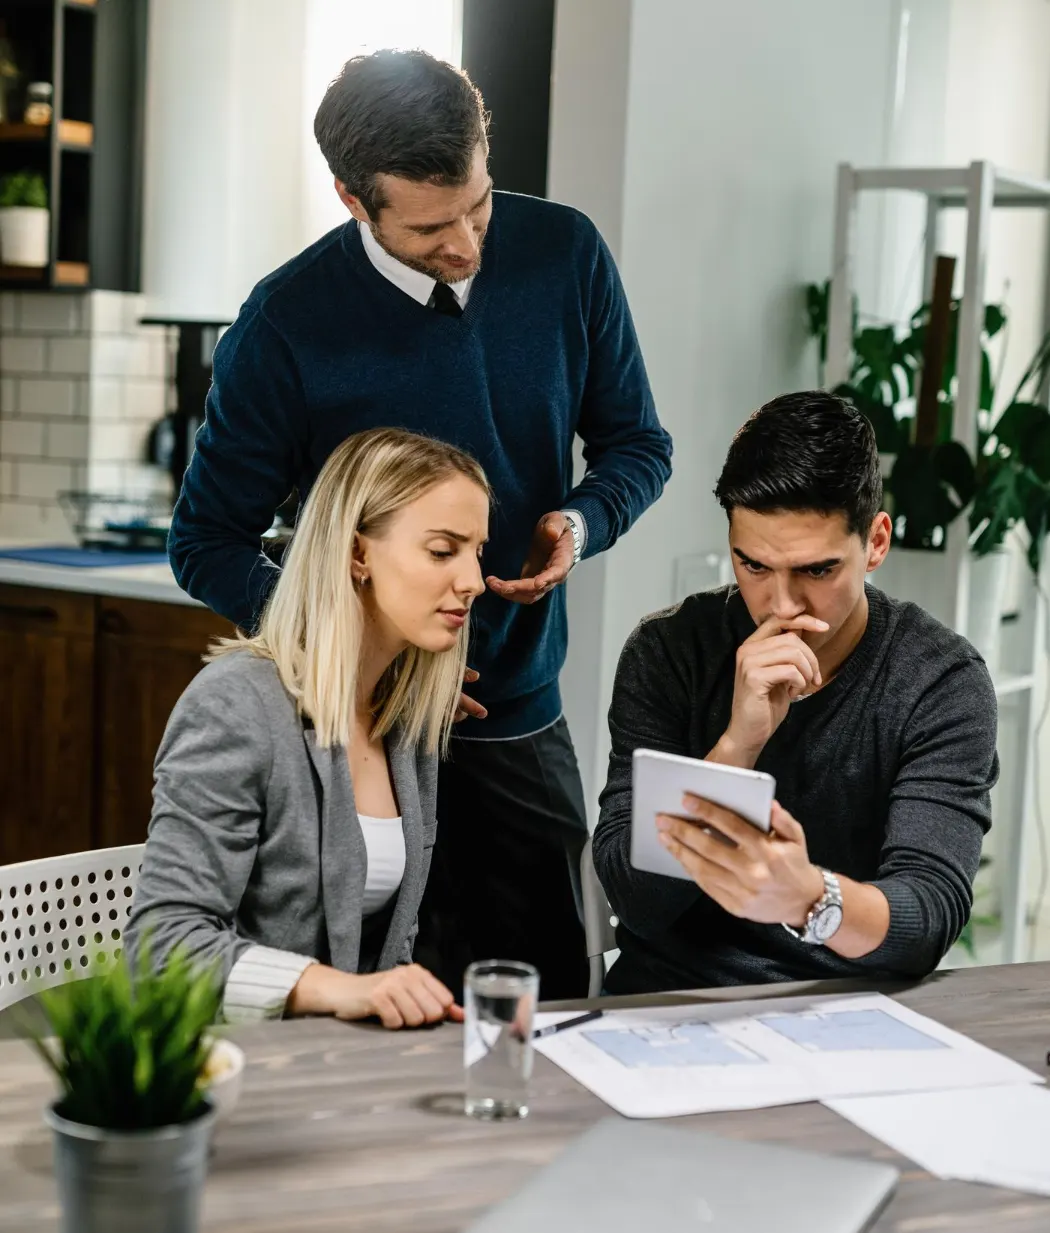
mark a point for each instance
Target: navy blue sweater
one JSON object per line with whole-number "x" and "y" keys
{"x": 326, "y": 346}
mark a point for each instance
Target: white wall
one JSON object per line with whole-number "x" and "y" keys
{"x": 586, "y": 167}
{"x": 736, "y": 116}
{"x": 997, "y": 107}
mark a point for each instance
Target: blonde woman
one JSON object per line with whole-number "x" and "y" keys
{"x": 294, "y": 804}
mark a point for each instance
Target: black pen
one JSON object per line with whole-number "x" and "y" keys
{"x": 551, "y": 1028}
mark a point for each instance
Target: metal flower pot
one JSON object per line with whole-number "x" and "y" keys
{"x": 147, "y": 1181}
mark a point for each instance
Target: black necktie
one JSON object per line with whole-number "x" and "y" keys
{"x": 444, "y": 301}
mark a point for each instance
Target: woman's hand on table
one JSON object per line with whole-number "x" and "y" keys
{"x": 406, "y": 996}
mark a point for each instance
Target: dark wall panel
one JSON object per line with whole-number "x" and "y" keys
{"x": 507, "y": 52}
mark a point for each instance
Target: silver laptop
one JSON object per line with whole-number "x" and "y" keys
{"x": 624, "y": 1176}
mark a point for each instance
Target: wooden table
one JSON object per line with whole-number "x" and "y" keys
{"x": 347, "y": 1127}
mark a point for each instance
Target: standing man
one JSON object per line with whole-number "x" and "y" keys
{"x": 495, "y": 322}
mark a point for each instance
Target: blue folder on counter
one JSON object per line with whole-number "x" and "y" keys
{"x": 81, "y": 558}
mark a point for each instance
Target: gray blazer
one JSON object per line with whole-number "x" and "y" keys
{"x": 254, "y": 838}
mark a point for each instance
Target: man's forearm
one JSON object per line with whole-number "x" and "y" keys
{"x": 231, "y": 577}
{"x": 865, "y": 920}
{"x": 729, "y": 753}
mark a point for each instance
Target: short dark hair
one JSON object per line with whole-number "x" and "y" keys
{"x": 807, "y": 451}
{"x": 399, "y": 113}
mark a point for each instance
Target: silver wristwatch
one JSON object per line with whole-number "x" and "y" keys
{"x": 825, "y": 916}
{"x": 574, "y": 519}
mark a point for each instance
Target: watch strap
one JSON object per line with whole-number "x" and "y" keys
{"x": 578, "y": 529}
{"x": 832, "y": 897}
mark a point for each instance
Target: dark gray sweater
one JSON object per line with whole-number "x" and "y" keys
{"x": 888, "y": 769}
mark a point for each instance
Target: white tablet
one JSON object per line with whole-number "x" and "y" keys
{"x": 658, "y": 783}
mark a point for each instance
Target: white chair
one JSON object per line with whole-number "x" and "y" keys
{"x": 598, "y": 921}
{"x": 62, "y": 918}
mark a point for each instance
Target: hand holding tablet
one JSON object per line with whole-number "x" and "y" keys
{"x": 660, "y": 780}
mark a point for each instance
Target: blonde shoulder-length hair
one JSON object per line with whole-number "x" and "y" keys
{"x": 313, "y": 623}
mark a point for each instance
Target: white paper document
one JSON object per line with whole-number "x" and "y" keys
{"x": 748, "y": 1055}
{"x": 996, "y": 1135}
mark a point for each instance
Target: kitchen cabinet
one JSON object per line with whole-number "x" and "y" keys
{"x": 86, "y": 687}
{"x": 47, "y": 672}
{"x": 146, "y": 654}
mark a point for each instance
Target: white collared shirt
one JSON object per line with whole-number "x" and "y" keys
{"x": 412, "y": 282}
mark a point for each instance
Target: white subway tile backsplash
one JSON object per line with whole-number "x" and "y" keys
{"x": 111, "y": 355}
{"x": 145, "y": 398}
{"x": 8, "y": 396}
{"x": 69, "y": 355}
{"x": 81, "y": 385}
{"x": 22, "y": 438}
{"x": 145, "y": 356}
{"x": 43, "y": 480}
{"x": 48, "y": 396}
{"x": 118, "y": 442}
{"x": 141, "y": 479}
{"x": 45, "y": 313}
{"x": 105, "y": 476}
{"x": 22, "y": 355}
{"x": 67, "y": 441}
{"x": 105, "y": 312}
{"x": 105, "y": 398}
{"x": 162, "y": 358}
{"x": 39, "y": 520}
{"x": 134, "y": 310}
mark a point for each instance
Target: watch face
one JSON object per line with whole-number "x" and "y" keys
{"x": 827, "y": 923}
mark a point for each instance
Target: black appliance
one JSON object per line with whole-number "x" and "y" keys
{"x": 188, "y": 379}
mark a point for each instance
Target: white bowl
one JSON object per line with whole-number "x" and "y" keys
{"x": 225, "y": 1077}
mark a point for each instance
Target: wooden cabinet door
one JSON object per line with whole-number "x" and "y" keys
{"x": 147, "y": 654}
{"x": 47, "y": 674}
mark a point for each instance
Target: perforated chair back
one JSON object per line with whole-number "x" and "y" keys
{"x": 62, "y": 918}
{"x": 598, "y": 921}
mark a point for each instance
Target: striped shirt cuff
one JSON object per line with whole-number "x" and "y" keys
{"x": 260, "y": 982}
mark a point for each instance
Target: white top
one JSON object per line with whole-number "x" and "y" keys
{"x": 262, "y": 978}
{"x": 418, "y": 285}
{"x": 385, "y": 844}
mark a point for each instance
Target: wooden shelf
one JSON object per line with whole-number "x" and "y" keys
{"x": 76, "y": 134}
{"x": 23, "y": 273}
{"x": 25, "y": 132}
{"x": 92, "y": 52}
{"x": 71, "y": 274}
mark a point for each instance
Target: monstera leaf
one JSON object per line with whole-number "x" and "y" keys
{"x": 931, "y": 486}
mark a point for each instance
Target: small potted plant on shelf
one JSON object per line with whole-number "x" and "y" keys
{"x": 132, "y": 1123}
{"x": 25, "y": 220}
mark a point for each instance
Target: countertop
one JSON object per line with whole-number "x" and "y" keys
{"x": 155, "y": 582}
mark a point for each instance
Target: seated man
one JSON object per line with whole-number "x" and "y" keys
{"x": 878, "y": 723}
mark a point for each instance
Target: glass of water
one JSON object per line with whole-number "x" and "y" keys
{"x": 500, "y": 997}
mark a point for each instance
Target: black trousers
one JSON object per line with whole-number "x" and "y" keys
{"x": 504, "y": 881}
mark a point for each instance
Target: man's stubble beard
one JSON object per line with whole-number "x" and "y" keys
{"x": 414, "y": 263}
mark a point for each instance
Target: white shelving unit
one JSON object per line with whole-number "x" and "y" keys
{"x": 978, "y": 189}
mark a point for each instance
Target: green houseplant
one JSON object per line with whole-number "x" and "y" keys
{"x": 23, "y": 188}
{"x": 1013, "y": 468}
{"x": 132, "y": 1121}
{"x": 1008, "y": 482}
{"x": 25, "y": 220}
